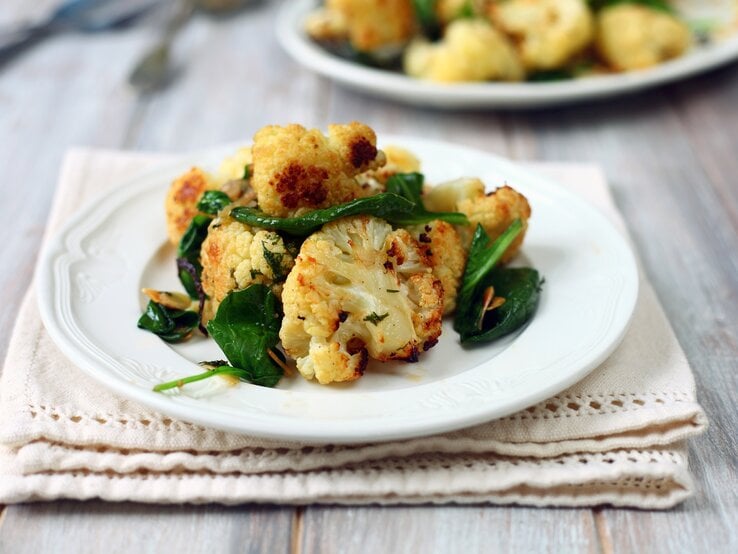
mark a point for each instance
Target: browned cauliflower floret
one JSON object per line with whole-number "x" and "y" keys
{"x": 181, "y": 201}
{"x": 495, "y": 211}
{"x": 448, "y": 10}
{"x": 549, "y": 32}
{"x": 445, "y": 197}
{"x": 471, "y": 50}
{"x": 447, "y": 255}
{"x": 297, "y": 170}
{"x": 375, "y": 25}
{"x": 359, "y": 289}
{"x": 235, "y": 255}
{"x": 399, "y": 160}
{"x": 327, "y": 25}
{"x": 630, "y": 36}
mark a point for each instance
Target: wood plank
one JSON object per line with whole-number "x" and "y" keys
{"x": 681, "y": 218}
{"x": 62, "y": 93}
{"x": 430, "y": 529}
{"x": 94, "y": 527}
{"x": 228, "y": 87}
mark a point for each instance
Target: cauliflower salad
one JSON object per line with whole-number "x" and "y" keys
{"x": 504, "y": 40}
{"x": 322, "y": 252}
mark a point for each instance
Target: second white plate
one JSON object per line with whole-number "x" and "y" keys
{"x": 395, "y": 86}
{"x": 90, "y": 276}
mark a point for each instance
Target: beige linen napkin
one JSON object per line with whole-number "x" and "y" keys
{"x": 616, "y": 437}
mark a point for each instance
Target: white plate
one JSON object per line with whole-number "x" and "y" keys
{"x": 91, "y": 273}
{"x": 395, "y": 86}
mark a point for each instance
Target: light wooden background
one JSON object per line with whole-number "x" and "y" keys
{"x": 671, "y": 156}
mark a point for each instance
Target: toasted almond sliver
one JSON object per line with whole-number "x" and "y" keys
{"x": 173, "y": 300}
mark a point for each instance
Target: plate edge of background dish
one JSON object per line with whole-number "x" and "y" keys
{"x": 461, "y": 96}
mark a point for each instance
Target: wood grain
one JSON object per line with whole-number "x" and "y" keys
{"x": 671, "y": 158}
{"x": 439, "y": 530}
{"x": 95, "y": 527}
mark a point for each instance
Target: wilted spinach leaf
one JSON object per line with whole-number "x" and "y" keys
{"x": 385, "y": 205}
{"x": 482, "y": 259}
{"x": 189, "y": 250}
{"x": 521, "y": 288}
{"x": 661, "y": 5}
{"x": 246, "y": 328}
{"x": 212, "y": 201}
{"x": 410, "y": 187}
{"x": 169, "y": 324}
{"x": 400, "y": 205}
{"x": 425, "y": 13}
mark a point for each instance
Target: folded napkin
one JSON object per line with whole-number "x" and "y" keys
{"x": 616, "y": 437}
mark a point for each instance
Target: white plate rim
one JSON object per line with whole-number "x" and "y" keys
{"x": 277, "y": 427}
{"x": 485, "y": 95}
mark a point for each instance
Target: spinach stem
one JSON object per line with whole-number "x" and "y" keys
{"x": 177, "y": 383}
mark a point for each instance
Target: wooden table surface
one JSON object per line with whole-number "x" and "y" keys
{"x": 671, "y": 156}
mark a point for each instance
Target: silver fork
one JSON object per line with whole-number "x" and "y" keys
{"x": 153, "y": 69}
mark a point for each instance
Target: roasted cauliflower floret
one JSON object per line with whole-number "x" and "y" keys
{"x": 375, "y": 25}
{"x": 235, "y": 255}
{"x": 327, "y": 25}
{"x": 445, "y": 197}
{"x": 471, "y": 50}
{"x": 448, "y": 10}
{"x": 447, "y": 255}
{"x": 495, "y": 211}
{"x": 359, "y": 289}
{"x": 234, "y": 167}
{"x": 181, "y": 200}
{"x": 630, "y": 36}
{"x": 549, "y": 32}
{"x": 399, "y": 160}
{"x": 297, "y": 170}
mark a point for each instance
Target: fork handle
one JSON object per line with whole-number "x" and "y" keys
{"x": 13, "y": 42}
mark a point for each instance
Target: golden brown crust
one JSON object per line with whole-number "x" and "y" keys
{"x": 181, "y": 201}
{"x": 375, "y": 24}
{"x": 296, "y": 169}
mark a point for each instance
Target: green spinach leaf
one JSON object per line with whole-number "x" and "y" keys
{"x": 410, "y": 187}
{"x": 169, "y": 324}
{"x": 385, "y": 205}
{"x": 189, "y": 250}
{"x": 246, "y": 328}
{"x": 212, "y": 201}
{"x": 521, "y": 288}
{"x": 482, "y": 259}
{"x": 425, "y": 13}
{"x": 660, "y": 5}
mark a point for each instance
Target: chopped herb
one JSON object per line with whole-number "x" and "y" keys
{"x": 246, "y": 172}
{"x": 274, "y": 261}
{"x": 393, "y": 290}
{"x": 375, "y": 318}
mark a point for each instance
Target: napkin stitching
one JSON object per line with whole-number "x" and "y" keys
{"x": 543, "y": 411}
{"x": 611, "y": 403}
